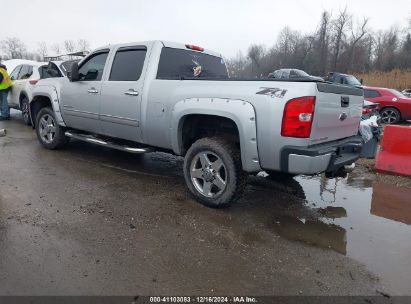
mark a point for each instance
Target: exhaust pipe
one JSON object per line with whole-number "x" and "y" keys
{"x": 3, "y": 132}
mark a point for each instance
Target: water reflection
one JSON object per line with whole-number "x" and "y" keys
{"x": 313, "y": 232}
{"x": 360, "y": 217}
{"x": 391, "y": 202}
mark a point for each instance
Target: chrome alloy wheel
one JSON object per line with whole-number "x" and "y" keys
{"x": 208, "y": 174}
{"x": 389, "y": 116}
{"x": 47, "y": 128}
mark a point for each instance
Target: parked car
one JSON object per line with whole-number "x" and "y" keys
{"x": 370, "y": 109}
{"x": 394, "y": 106}
{"x": 166, "y": 96}
{"x": 407, "y": 93}
{"x": 25, "y": 76}
{"x": 346, "y": 79}
{"x": 292, "y": 74}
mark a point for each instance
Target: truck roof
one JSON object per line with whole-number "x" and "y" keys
{"x": 175, "y": 45}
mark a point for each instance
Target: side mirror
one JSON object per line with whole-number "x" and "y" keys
{"x": 73, "y": 74}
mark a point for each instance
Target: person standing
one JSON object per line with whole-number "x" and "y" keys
{"x": 5, "y": 86}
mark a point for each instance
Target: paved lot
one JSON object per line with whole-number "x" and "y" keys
{"x": 93, "y": 221}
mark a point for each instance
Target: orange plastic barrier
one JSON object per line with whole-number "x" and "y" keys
{"x": 395, "y": 154}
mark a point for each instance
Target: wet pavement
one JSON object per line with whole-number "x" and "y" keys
{"x": 92, "y": 221}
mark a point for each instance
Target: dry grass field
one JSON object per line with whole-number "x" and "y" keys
{"x": 395, "y": 79}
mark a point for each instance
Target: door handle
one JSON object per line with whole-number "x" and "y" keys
{"x": 131, "y": 92}
{"x": 92, "y": 91}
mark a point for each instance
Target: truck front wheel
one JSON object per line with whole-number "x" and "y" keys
{"x": 49, "y": 132}
{"x": 213, "y": 172}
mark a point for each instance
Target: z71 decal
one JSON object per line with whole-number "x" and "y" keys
{"x": 273, "y": 92}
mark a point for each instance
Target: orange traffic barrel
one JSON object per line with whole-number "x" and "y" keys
{"x": 395, "y": 152}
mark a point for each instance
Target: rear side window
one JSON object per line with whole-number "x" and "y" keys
{"x": 128, "y": 64}
{"x": 26, "y": 72}
{"x": 371, "y": 94}
{"x": 15, "y": 74}
{"x": 180, "y": 64}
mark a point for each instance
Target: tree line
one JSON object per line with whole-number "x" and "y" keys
{"x": 340, "y": 43}
{"x": 14, "y": 48}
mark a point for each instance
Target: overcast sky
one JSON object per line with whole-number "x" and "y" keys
{"x": 222, "y": 25}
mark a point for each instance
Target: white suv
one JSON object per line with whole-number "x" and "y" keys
{"x": 24, "y": 77}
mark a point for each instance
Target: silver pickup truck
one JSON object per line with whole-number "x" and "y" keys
{"x": 165, "y": 96}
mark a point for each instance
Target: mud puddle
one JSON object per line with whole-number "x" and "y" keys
{"x": 363, "y": 219}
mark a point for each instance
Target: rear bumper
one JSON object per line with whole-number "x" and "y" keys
{"x": 328, "y": 157}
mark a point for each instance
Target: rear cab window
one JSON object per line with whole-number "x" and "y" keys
{"x": 186, "y": 64}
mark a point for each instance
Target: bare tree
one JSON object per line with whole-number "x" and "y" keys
{"x": 69, "y": 46}
{"x": 255, "y": 53}
{"x": 42, "y": 49}
{"x": 13, "y": 47}
{"x": 323, "y": 42}
{"x": 357, "y": 33}
{"x": 83, "y": 45}
{"x": 339, "y": 26}
{"x": 55, "y": 47}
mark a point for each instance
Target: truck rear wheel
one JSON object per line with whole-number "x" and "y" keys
{"x": 213, "y": 172}
{"x": 49, "y": 132}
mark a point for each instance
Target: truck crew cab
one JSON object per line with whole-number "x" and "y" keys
{"x": 157, "y": 95}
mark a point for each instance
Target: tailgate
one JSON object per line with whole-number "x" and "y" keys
{"x": 337, "y": 113}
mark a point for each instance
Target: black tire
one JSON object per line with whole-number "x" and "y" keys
{"x": 390, "y": 115}
{"x": 58, "y": 140}
{"x": 231, "y": 172}
{"x": 25, "y": 110}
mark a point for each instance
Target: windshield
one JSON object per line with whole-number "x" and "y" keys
{"x": 351, "y": 80}
{"x": 397, "y": 93}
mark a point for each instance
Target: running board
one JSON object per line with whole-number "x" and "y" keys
{"x": 100, "y": 142}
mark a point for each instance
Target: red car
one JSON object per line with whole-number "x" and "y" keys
{"x": 394, "y": 106}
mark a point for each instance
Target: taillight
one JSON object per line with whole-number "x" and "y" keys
{"x": 366, "y": 110}
{"x": 33, "y": 82}
{"x": 298, "y": 117}
{"x": 194, "y": 47}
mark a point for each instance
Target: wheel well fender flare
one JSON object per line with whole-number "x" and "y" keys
{"x": 46, "y": 98}
{"x": 241, "y": 112}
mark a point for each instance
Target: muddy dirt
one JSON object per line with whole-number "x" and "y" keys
{"x": 367, "y": 167}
